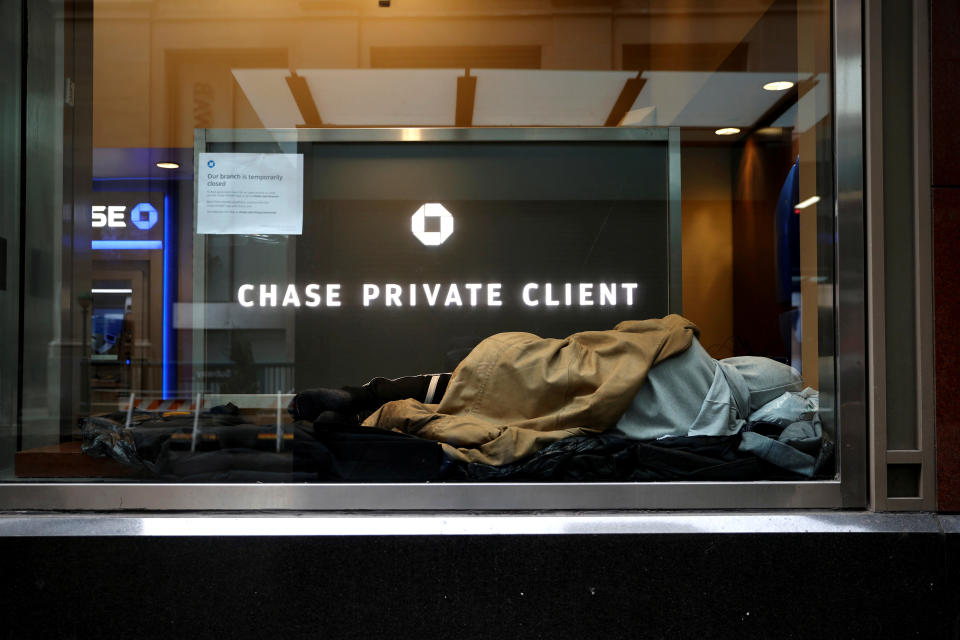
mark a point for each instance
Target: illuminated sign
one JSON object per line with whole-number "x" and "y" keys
{"x": 107, "y": 216}
{"x": 432, "y": 224}
{"x": 144, "y": 216}
{"x": 412, "y": 253}
{"x": 469, "y": 294}
{"x": 130, "y": 221}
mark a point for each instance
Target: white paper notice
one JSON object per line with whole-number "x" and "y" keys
{"x": 250, "y": 193}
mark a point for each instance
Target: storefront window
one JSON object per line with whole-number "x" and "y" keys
{"x": 421, "y": 241}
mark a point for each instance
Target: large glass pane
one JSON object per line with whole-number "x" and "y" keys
{"x": 299, "y": 241}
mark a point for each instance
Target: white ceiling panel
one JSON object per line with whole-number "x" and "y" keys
{"x": 384, "y": 97}
{"x": 518, "y": 97}
{"x": 533, "y": 97}
{"x": 270, "y": 97}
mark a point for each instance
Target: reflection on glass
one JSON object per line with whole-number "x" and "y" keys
{"x": 153, "y": 351}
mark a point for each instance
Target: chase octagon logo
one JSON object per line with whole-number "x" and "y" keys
{"x": 432, "y": 224}
{"x": 144, "y": 216}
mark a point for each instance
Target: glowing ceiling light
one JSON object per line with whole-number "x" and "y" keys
{"x": 727, "y": 131}
{"x": 806, "y": 203}
{"x": 168, "y": 165}
{"x": 779, "y": 85}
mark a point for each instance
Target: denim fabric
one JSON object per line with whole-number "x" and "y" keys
{"x": 672, "y": 396}
{"x": 795, "y": 450}
{"x": 721, "y": 409}
{"x": 790, "y": 407}
{"x": 692, "y": 394}
{"x": 764, "y": 379}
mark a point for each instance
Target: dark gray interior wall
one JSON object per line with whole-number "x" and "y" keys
{"x": 532, "y": 212}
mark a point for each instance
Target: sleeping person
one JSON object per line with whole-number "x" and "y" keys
{"x": 516, "y": 393}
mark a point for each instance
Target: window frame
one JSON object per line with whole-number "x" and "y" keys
{"x": 850, "y": 366}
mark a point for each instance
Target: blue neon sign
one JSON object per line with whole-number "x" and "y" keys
{"x": 144, "y": 216}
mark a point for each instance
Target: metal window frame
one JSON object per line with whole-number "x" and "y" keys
{"x": 850, "y": 491}
{"x": 881, "y": 455}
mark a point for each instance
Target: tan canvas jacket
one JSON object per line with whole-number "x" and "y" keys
{"x": 516, "y": 392}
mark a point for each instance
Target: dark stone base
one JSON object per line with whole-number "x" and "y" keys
{"x": 793, "y": 585}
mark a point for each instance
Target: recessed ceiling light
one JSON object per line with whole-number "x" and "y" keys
{"x": 168, "y": 165}
{"x": 727, "y": 131}
{"x": 779, "y": 85}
